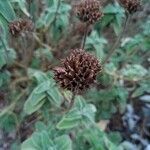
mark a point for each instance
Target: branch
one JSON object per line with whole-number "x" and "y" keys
{"x": 71, "y": 101}
{"x": 84, "y": 37}
{"x": 40, "y": 42}
{"x": 112, "y": 50}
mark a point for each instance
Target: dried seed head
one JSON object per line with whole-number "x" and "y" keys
{"x": 89, "y": 11}
{"x": 78, "y": 72}
{"x": 18, "y": 26}
{"x": 131, "y": 5}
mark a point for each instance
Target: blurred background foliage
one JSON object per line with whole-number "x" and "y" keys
{"x": 30, "y": 100}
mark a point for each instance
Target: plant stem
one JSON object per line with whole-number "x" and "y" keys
{"x": 84, "y": 37}
{"x": 112, "y": 50}
{"x": 72, "y": 101}
{"x": 40, "y": 42}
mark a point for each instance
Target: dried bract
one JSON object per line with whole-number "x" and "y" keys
{"x": 78, "y": 71}
{"x": 89, "y": 11}
{"x": 131, "y": 5}
{"x": 18, "y": 26}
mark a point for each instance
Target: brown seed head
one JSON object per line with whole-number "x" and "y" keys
{"x": 78, "y": 71}
{"x": 131, "y": 5}
{"x": 89, "y": 11}
{"x": 18, "y": 26}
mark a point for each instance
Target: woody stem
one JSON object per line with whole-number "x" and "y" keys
{"x": 84, "y": 37}
{"x": 112, "y": 50}
{"x": 72, "y": 101}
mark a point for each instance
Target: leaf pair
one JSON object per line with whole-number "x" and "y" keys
{"x": 42, "y": 141}
{"x": 81, "y": 113}
{"x": 45, "y": 90}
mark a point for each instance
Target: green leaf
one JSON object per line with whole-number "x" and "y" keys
{"x": 115, "y": 17}
{"x": 8, "y": 122}
{"x": 113, "y": 9}
{"x": 22, "y": 6}
{"x": 42, "y": 141}
{"x": 63, "y": 143}
{"x": 64, "y": 8}
{"x": 116, "y": 27}
{"x": 4, "y": 78}
{"x": 7, "y": 55}
{"x": 43, "y": 87}
{"x": 2, "y": 58}
{"x": 34, "y": 102}
{"x": 145, "y": 28}
{"x": 94, "y": 138}
{"x": 138, "y": 41}
{"x": 109, "y": 144}
{"x": 3, "y": 27}
{"x": 38, "y": 75}
{"x": 80, "y": 113}
{"x": 54, "y": 96}
{"x": 97, "y": 140}
{"x": 106, "y": 20}
{"x": 6, "y": 10}
{"x": 46, "y": 19}
{"x": 144, "y": 87}
{"x": 134, "y": 72}
{"x": 115, "y": 137}
{"x": 110, "y": 9}
{"x": 36, "y": 98}
{"x": 48, "y": 15}
{"x": 38, "y": 141}
{"x": 71, "y": 120}
{"x": 96, "y": 42}
{"x": 40, "y": 126}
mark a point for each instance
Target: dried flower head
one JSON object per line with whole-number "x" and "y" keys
{"x": 18, "y": 26}
{"x": 89, "y": 11}
{"x": 78, "y": 72}
{"x": 131, "y": 5}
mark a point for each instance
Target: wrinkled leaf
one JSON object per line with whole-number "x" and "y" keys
{"x": 22, "y": 6}
{"x": 6, "y": 10}
{"x": 81, "y": 112}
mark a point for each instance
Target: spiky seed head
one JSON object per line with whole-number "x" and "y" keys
{"x": 18, "y": 26}
{"x": 89, "y": 11}
{"x": 78, "y": 71}
{"x": 131, "y": 5}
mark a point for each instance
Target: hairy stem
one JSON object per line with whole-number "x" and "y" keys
{"x": 38, "y": 40}
{"x": 72, "y": 101}
{"x": 112, "y": 50}
{"x": 84, "y": 37}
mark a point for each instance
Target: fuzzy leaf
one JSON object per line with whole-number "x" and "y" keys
{"x": 6, "y": 10}
{"x": 22, "y": 6}
{"x": 82, "y": 112}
